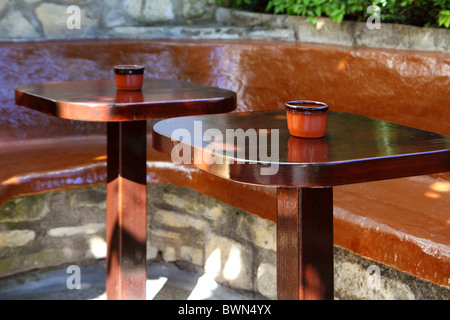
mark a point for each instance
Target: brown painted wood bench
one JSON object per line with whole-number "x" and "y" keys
{"x": 396, "y": 222}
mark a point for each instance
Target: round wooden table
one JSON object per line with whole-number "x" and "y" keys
{"x": 125, "y": 113}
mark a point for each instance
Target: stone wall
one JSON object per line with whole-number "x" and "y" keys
{"x": 197, "y": 19}
{"x": 238, "y": 249}
{"x": 41, "y": 19}
{"x": 49, "y": 229}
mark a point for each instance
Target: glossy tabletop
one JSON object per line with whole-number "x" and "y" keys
{"x": 355, "y": 149}
{"x": 257, "y": 148}
{"x": 99, "y": 100}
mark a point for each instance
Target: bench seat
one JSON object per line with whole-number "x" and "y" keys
{"x": 402, "y": 223}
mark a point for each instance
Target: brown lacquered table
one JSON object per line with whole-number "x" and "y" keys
{"x": 126, "y": 113}
{"x": 355, "y": 149}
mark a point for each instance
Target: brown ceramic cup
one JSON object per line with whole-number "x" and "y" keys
{"x": 307, "y": 119}
{"x": 129, "y": 77}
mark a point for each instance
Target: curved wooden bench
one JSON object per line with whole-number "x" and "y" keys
{"x": 403, "y": 223}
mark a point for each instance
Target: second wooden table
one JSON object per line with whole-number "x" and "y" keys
{"x": 355, "y": 149}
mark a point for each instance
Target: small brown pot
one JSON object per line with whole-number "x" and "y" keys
{"x": 307, "y": 119}
{"x": 129, "y": 77}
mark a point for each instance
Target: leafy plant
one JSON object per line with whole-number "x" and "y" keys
{"x": 424, "y": 13}
{"x": 444, "y": 18}
{"x": 311, "y": 8}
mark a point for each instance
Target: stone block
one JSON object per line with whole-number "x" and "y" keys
{"x": 87, "y": 229}
{"x": 272, "y": 34}
{"x": 86, "y": 198}
{"x": 259, "y": 231}
{"x": 356, "y": 280}
{"x": 398, "y": 37}
{"x": 229, "y": 262}
{"x": 152, "y": 251}
{"x": 266, "y": 280}
{"x": 248, "y": 19}
{"x": 165, "y": 234}
{"x": 361, "y": 279}
{"x": 115, "y": 13}
{"x": 200, "y": 206}
{"x": 29, "y": 208}
{"x": 176, "y": 220}
{"x": 42, "y": 259}
{"x": 4, "y": 5}
{"x": 132, "y": 7}
{"x": 214, "y": 213}
{"x": 157, "y": 11}
{"x": 54, "y": 20}
{"x": 196, "y": 10}
{"x": 180, "y": 202}
{"x": 223, "y": 16}
{"x": 324, "y": 31}
{"x": 76, "y": 207}
{"x": 192, "y": 255}
{"x": 15, "y": 26}
{"x": 16, "y": 238}
{"x": 169, "y": 254}
{"x": 440, "y": 40}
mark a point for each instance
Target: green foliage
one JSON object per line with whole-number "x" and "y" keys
{"x": 423, "y": 13}
{"x": 311, "y": 8}
{"x": 444, "y": 18}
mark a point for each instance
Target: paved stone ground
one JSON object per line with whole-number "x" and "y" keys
{"x": 166, "y": 281}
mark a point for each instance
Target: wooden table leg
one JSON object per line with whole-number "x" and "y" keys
{"x": 305, "y": 244}
{"x": 126, "y": 220}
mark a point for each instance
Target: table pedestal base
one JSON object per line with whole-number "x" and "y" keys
{"x": 126, "y": 218}
{"x": 305, "y": 244}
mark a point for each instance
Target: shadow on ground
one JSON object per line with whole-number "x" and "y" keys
{"x": 166, "y": 281}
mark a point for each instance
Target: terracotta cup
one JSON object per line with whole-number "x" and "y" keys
{"x": 129, "y": 77}
{"x": 307, "y": 119}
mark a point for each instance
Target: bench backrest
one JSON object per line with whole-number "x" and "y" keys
{"x": 410, "y": 88}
